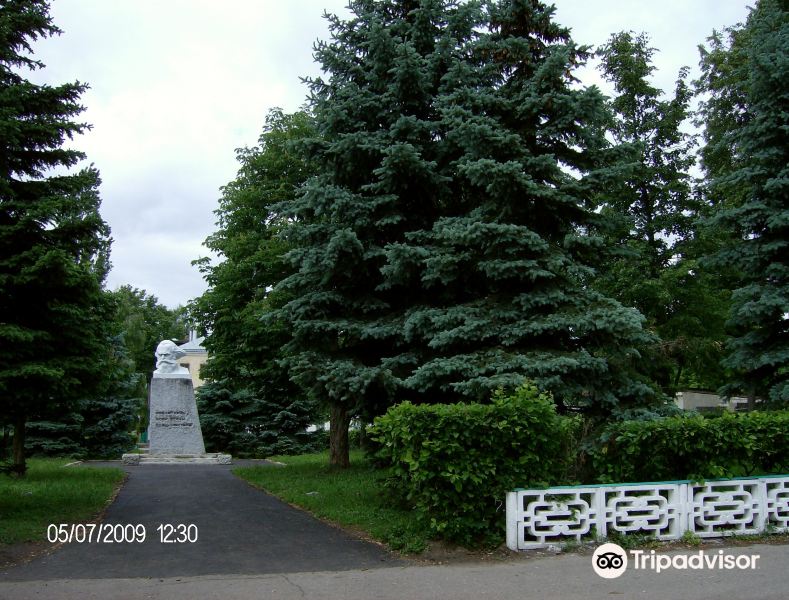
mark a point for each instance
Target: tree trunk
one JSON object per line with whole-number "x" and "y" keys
{"x": 363, "y": 436}
{"x": 676, "y": 378}
{"x": 19, "y": 466}
{"x": 339, "y": 420}
{"x": 4, "y": 443}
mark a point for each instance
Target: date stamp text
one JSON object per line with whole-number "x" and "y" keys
{"x": 119, "y": 533}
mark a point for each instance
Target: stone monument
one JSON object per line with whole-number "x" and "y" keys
{"x": 174, "y": 433}
{"x": 173, "y": 427}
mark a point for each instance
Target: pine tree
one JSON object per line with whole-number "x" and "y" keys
{"x": 97, "y": 426}
{"x": 53, "y": 242}
{"x": 444, "y": 249}
{"x": 757, "y": 168}
{"x": 111, "y": 415}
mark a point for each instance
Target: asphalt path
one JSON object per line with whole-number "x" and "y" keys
{"x": 563, "y": 577}
{"x": 251, "y": 546}
{"x": 240, "y": 531}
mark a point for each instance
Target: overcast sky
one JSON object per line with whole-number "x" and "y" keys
{"x": 178, "y": 85}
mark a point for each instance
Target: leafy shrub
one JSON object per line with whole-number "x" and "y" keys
{"x": 693, "y": 447}
{"x": 454, "y": 463}
{"x": 359, "y": 438}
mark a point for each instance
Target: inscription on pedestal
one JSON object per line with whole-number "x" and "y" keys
{"x": 174, "y": 425}
{"x": 172, "y": 418}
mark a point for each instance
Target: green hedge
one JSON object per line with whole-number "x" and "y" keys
{"x": 454, "y": 463}
{"x": 693, "y": 447}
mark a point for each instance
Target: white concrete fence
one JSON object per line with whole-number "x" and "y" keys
{"x": 665, "y": 510}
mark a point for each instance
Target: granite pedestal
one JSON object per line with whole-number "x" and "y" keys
{"x": 174, "y": 434}
{"x": 174, "y": 427}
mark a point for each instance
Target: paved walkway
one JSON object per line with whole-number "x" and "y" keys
{"x": 252, "y": 546}
{"x": 565, "y": 577}
{"x": 241, "y": 531}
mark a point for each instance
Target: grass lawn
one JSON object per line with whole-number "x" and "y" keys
{"x": 52, "y": 493}
{"x": 353, "y": 497}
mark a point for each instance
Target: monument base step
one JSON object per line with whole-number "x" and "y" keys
{"x": 177, "y": 459}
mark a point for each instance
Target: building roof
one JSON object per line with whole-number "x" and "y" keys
{"x": 194, "y": 346}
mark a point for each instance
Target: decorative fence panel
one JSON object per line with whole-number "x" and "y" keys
{"x": 665, "y": 510}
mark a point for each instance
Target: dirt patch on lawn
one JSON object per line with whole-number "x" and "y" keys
{"x": 16, "y": 554}
{"x": 444, "y": 553}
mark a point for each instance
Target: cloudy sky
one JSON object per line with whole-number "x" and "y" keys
{"x": 178, "y": 85}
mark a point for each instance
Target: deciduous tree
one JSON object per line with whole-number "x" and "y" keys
{"x": 653, "y": 218}
{"x": 144, "y": 322}
{"x": 250, "y": 406}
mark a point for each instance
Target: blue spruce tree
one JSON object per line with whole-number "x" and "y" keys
{"x": 446, "y": 245}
